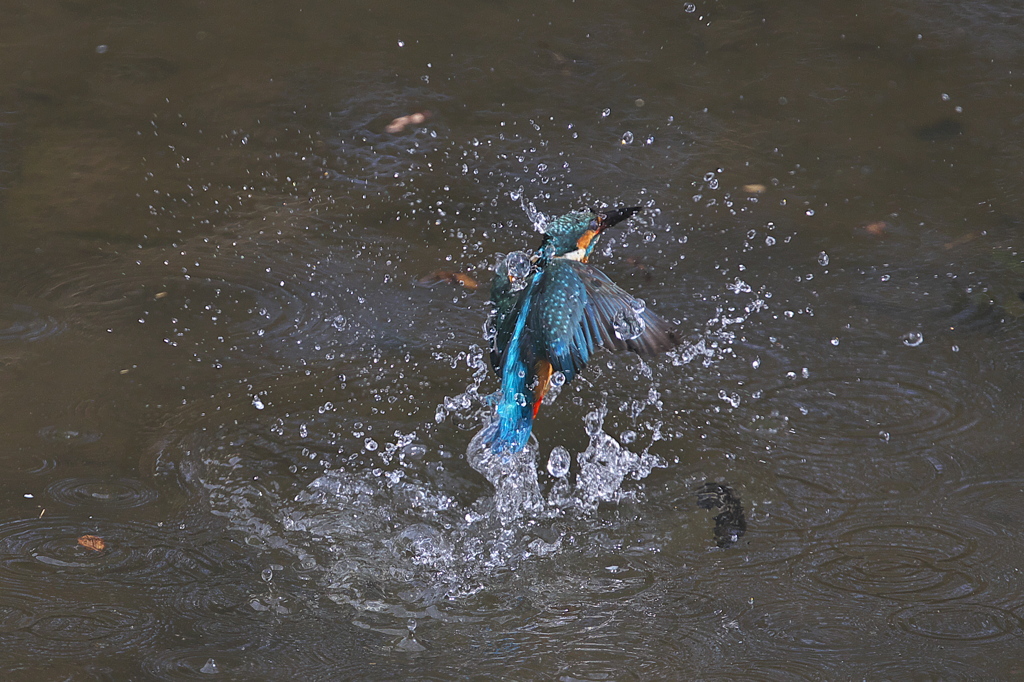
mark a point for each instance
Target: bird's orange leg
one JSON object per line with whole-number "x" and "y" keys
{"x": 544, "y": 371}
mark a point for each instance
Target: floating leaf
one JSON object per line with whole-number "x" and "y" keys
{"x": 403, "y": 122}
{"x": 92, "y": 542}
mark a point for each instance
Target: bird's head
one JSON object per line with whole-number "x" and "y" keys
{"x": 574, "y": 235}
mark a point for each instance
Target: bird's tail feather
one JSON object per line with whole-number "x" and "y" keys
{"x": 515, "y": 409}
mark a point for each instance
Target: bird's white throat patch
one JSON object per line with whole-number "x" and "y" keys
{"x": 577, "y": 255}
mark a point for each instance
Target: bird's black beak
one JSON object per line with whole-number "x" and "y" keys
{"x": 616, "y": 215}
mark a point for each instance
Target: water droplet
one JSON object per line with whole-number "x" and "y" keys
{"x": 628, "y": 324}
{"x": 689, "y": 8}
{"x": 257, "y": 403}
{"x": 557, "y": 379}
{"x": 520, "y": 399}
{"x": 835, "y": 342}
{"x": 101, "y": 49}
{"x": 627, "y": 137}
{"x": 517, "y": 267}
{"x": 558, "y": 462}
{"x": 769, "y": 241}
{"x": 912, "y": 339}
{"x": 823, "y": 259}
{"x": 303, "y": 431}
{"x": 606, "y": 113}
{"x": 884, "y": 435}
{"x": 210, "y": 667}
{"x": 370, "y": 444}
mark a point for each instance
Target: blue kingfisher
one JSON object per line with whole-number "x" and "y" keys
{"x": 551, "y": 312}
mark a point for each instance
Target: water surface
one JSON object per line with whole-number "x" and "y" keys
{"x": 223, "y": 351}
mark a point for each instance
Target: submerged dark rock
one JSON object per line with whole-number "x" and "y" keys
{"x": 730, "y": 523}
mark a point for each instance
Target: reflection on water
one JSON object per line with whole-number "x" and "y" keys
{"x": 217, "y": 356}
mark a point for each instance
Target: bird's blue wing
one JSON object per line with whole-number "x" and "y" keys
{"x": 503, "y": 304}
{"x": 616, "y": 320}
{"x": 557, "y": 319}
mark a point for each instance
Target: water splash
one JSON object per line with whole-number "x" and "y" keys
{"x": 629, "y": 324}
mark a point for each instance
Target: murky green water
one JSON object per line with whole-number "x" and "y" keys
{"x": 220, "y": 355}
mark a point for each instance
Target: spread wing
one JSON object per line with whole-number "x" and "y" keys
{"x": 618, "y": 320}
{"x": 579, "y": 309}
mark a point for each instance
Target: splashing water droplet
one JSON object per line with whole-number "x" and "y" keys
{"x": 912, "y": 339}
{"x": 257, "y": 403}
{"x": 628, "y": 324}
{"x": 558, "y": 462}
{"x": 517, "y": 266}
{"x": 557, "y": 379}
{"x": 823, "y": 259}
{"x": 210, "y": 667}
{"x": 627, "y": 137}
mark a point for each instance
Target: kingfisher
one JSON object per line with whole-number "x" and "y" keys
{"x": 551, "y": 312}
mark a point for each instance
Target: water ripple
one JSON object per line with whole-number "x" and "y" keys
{"x": 201, "y": 663}
{"x": 80, "y": 628}
{"x": 20, "y": 322}
{"x": 804, "y": 631}
{"x": 123, "y": 493}
{"x": 867, "y": 404}
{"x": 920, "y": 668}
{"x": 911, "y": 559}
{"x": 958, "y": 622}
{"x": 34, "y": 552}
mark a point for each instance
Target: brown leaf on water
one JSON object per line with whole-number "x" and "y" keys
{"x": 960, "y": 241}
{"x": 403, "y": 122}
{"x": 876, "y": 229}
{"x": 92, "y": 542}
{"x": 439, "y": 276}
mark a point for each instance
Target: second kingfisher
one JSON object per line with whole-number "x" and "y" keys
{"x": 551, "y": 312}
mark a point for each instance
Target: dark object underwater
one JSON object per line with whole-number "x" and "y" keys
{"x": 730, "y": 524}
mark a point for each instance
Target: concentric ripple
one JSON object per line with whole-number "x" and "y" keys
{"x": 20, "y": 322}
{"x": 80, "y": 628}
{"x": 958, "y": 622}
{"x": 45, "y": 551}
{"x": 203, "y": 663}
{"x": 910, "y": 560}
{"x": 871, "y": 404}
{"x": 123, "y": 493}
{"x": 803, "y": 630}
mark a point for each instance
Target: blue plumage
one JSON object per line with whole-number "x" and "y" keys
{"x": 552, "y": 314}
